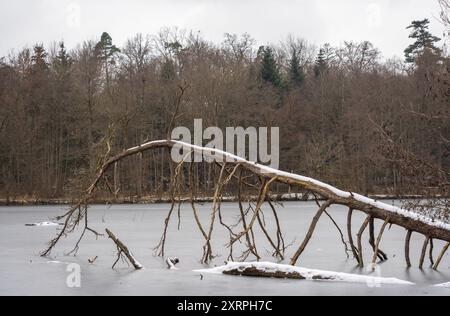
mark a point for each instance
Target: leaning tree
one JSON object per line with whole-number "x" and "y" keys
{"x": 262, "y": 179}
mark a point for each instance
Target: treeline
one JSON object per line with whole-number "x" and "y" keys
{"x": 346, "y": 115}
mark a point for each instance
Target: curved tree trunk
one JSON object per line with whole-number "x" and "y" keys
{"x": 412, "y": 222}
{"x": 409, "y": 220}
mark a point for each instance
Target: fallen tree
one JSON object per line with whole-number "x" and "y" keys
{"x": 234, "y": 168}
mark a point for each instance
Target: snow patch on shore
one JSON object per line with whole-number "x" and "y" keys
{"x": 308, "y": 274}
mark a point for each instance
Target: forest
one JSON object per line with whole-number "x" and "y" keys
{"x": 348, "y": 115}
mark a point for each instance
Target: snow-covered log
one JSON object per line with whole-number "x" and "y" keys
{"x": 274, "y": 270}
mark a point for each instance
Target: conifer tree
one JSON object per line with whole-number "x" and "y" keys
{"x": 63, "y": 61}
{"x": 424, "y": 41}
{"x": 321, "y": 64}
{"x": 296, "y": 73}
{"x": 269, "y": 68}
{"x": 105, "y": 52}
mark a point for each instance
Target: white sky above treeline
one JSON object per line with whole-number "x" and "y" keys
{"x": 383, "y": 22}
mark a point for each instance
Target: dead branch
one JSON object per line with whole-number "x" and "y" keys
{"x": 277, "y": 252}
{"x": 72, "y": 219}
{"x": 441, "y": 256}
{"x": 341, "y": 234}
{"x": 407, "y": 245}
{"x": 182, "y": 89}
{"x": 346, "y": 250}
{"x": 192, "y": 202}
{"x": 377, "y": 245}
{"x": 350, "y": 235}
{"x": 431, "y": 251}
{"x": 174, "y": 186}
{"x": 264, "y": 189}
{"x": 250, "y": 244}
{"x": 360, "y": 234}
{"x": 312, "y": 227}
{"x": 85, "y": 229}
{"x": 424, "y": 252}
{"x": 380, "y": 254}
{"x": 122, "y": 249}
{"x": 280, "y": 239}
{"x": 222, "y": 222}
{"x": 208, "y": 249}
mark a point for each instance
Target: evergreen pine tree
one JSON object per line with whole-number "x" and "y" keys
{"x": 321, "y": 64}
{"x": 63, "y": 61}
{"x": 105, "y": 48}
{"x": 269, "y": 67}
{"x": 39, "y": 59}
{"x": 105, "y": 52}
{"x": 296, "y": 73}
{"x": 168, "y": 70}
{"x": 425, "y": 41}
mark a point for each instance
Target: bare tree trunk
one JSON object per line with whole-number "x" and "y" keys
{"x": 116, "y": 180}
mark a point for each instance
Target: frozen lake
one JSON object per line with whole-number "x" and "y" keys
{"x": 24, "y": 272}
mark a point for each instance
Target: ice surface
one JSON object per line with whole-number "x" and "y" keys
{"x": 24, "y": 272}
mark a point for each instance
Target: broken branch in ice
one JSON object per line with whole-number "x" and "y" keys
{"x": 123, "y": 250}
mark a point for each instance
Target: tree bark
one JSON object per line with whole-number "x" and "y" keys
{"x": 350, "y": 235}
{"x": 377, "y": 245}
{"x": 424, "y": 252}
{"x": 407, "y": 244}
{"x": 441, "y": 256}
{"x": 360, "y": 234}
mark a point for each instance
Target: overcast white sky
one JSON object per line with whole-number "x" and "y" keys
{"x": 383, "y": 22}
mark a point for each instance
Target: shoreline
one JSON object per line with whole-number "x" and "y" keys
{"x": 286, "y": 197}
